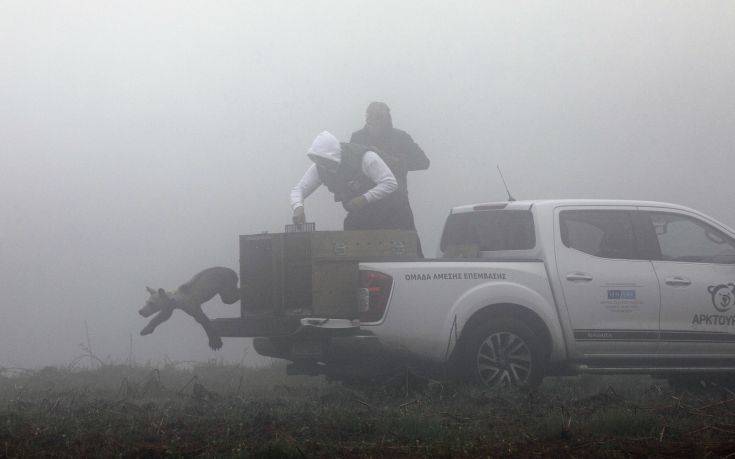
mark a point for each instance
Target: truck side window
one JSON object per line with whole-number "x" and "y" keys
{"x": 687, "y": 239}
{"x": 645, "y": 235}
{"x": 602, "y": 233}
{"x": 490, "y": 230}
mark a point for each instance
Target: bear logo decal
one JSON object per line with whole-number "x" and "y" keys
{"x": 723, "y": 296}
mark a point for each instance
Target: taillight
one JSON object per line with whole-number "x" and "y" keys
{"x": 377, "y": 287}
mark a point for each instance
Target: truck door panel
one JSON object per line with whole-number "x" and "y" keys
{"x": 611, "y": 295}
{"x": 695, "y": 265}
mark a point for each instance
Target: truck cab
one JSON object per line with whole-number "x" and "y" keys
{"x": 638, "y": 286}
{"x": 647, "y": 282}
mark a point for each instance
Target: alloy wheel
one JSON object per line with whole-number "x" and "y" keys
{"x": 504, "y": 359}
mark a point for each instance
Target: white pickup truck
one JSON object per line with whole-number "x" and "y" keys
{"x": 526, "y": 289}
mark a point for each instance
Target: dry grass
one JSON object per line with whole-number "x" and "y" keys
{"x": 220, "y": 410}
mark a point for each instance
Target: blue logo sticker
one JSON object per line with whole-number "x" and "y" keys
{"x": 621, "y": 294}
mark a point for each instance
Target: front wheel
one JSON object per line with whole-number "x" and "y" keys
{"x": 503, "y": 352}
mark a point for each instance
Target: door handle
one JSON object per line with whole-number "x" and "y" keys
{"x": 678, "y": 281}
{"x": 575, "y": 277}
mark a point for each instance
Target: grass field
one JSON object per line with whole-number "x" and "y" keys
{"x": 216, "y": 410}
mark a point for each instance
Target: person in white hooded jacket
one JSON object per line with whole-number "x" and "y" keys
{"x": 359, "y": 179}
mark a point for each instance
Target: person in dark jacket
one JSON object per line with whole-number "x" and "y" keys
{"x": 394, "y": 146}
{"x": 359, "y": 179}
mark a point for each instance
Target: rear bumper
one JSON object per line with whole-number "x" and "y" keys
{"x": 328, "y": 326}
{"x": 269, "y": 325}
{"x": 253, "y": 325}
{"x": 320, "y": 348}
{"x": 313, "y": 339}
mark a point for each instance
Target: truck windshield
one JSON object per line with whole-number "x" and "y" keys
{"x": 490, "y": 230}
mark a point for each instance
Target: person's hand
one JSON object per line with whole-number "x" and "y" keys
{"x": 299, "y": 216}
{"x": 356, "y": 204}
{"x": 215, "y": 343}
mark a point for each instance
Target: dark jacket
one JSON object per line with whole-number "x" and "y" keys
{"x": 398, "y": 150}
{"x": 349, "y": 181}
{"x": 391, "y": 212}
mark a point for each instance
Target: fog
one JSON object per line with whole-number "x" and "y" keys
{"x": 138, "y": 139}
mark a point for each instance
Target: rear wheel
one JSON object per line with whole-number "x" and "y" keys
{"x": 503, "y": 353}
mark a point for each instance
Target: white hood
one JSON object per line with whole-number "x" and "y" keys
{"x": 325, "y": 146}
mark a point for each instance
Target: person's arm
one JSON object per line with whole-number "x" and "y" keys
{"x": 415, "y": 158}
{"x": 379, "y": 172}
{"x": 308, "y": 183}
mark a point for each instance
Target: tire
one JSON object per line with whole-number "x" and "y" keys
{"x": 502, "y": 352}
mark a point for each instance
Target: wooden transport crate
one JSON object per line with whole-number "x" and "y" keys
{"x": 315, "y": 273}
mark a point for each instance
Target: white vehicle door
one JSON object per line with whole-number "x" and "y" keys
{"x": 611, "y": 291}
{"x": 695, "y": 264}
